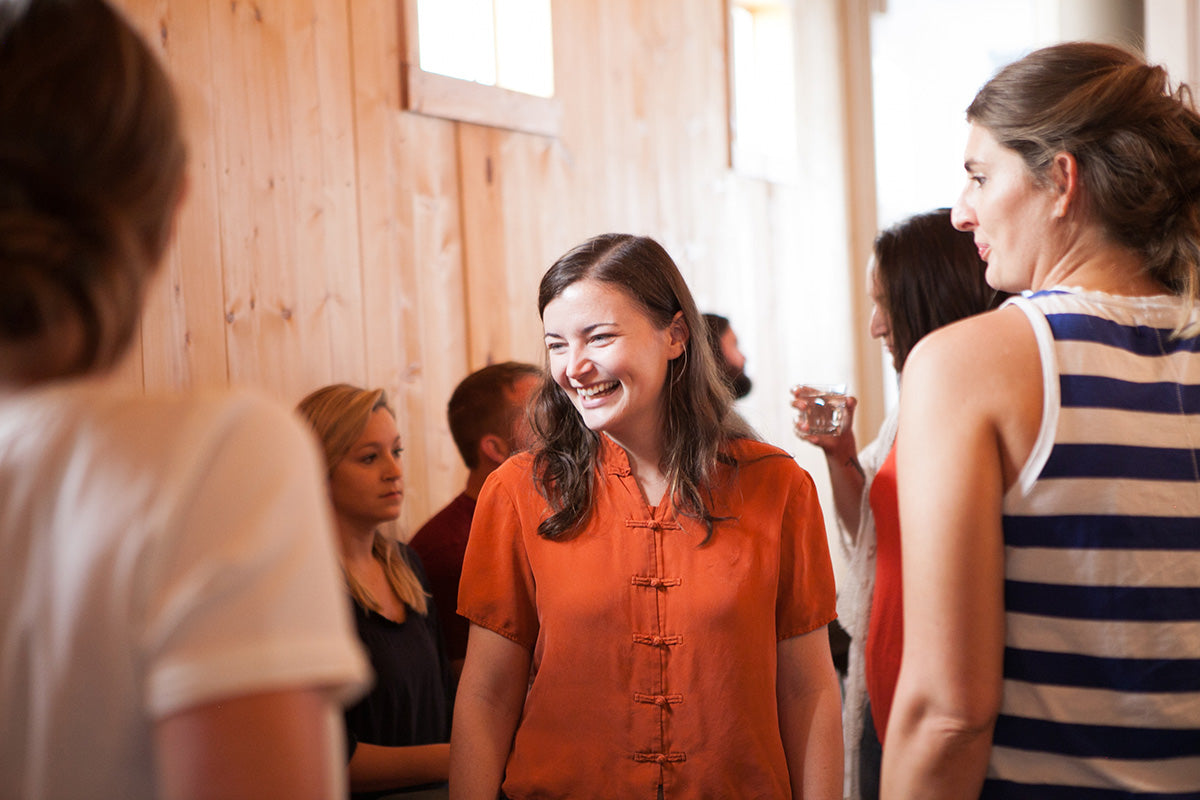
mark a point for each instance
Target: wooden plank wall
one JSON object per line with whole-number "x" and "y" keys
{"x": 329, "y": 236}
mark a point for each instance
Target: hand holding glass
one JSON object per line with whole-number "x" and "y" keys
{"x": 820, "y": 408}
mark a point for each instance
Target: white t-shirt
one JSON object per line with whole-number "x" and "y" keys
{"x": 155, "y": 554}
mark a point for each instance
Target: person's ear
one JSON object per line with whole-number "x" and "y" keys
{"x": 679, "y": 334}
{"x": 1064, "y": 181}
{"x": 494, "y": 448}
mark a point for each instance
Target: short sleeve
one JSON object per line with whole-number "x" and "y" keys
{"x": 244, "y": 592}
{"x": 497, "y": 590}
{"x": 807, "y": 596}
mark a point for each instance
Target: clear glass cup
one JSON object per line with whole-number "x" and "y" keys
{"x": 820, "y": 408}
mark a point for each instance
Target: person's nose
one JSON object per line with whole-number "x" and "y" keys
{"x": 878, "y": 326}
{"x": 962, "y": 215}
{"x": 578, "y": 364}
{"x": 393, "y": 468}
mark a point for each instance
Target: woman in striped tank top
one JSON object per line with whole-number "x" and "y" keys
{"x": 1048, "y": 454}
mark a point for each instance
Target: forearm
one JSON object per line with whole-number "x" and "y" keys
{"x": 812, "y": 740}
{"x": 848, "y": 482}
{"x": 482, "y": 739}
{"x": 810, "y": 720}
{"x": 491, "y": 695}
{"x": 375, "y": 767}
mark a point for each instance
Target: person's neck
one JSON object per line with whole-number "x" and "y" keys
{"x": 645, "y": 461}
{"x": 355, "y": 542}
{"x": 475, "y": 479}
{"x": 1095, "y": 264}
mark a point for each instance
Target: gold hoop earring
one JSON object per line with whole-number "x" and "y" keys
{"x": 683, "y": 366}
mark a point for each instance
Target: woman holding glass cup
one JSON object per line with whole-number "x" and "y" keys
{"x": 924, "y": 274}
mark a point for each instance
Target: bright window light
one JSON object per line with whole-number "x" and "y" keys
{"x": 929, "y": 58}
{"x": 505, "y": 43}
{"x": 763, "y": 84}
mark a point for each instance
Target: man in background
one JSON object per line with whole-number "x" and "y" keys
{"x": 487, "y": 419}
{"x": 724, "y": 343}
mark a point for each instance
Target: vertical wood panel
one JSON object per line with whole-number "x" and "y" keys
{"x": 511, "y": 190}
{"x": 184, "y": 329}
{"x": 414, "y": 301}
{"x": 594, "y": 80}
{"x": 433, "y": 317}
{"x": 253, "y": 137}
{"x": 326, "y": 322}
{"x": 288, "y": 219}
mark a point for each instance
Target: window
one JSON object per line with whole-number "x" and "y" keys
{"x": 762, "y": 89}
{"x": 929, "y": 58}
{"x": 489, "y": 62}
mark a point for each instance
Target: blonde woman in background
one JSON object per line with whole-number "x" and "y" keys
{"x": 399, "y": 733}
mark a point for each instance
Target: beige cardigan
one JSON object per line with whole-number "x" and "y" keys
{"x": 854, "y": 599}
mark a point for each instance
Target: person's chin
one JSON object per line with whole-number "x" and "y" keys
{"x": 595, "y": 419}
{"x": 1002, "y": 280}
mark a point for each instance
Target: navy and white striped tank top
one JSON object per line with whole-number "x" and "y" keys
{"x": 1102, "y": 561}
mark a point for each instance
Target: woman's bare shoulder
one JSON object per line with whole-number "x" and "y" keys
{"x": 980, "y": 373}
{"x": 996, "y": 345}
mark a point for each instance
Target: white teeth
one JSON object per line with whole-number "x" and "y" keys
{"x": 589, "y": 392}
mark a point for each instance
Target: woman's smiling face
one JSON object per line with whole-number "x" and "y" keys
{"x": 610, "y": 358}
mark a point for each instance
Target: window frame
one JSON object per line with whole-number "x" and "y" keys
{"x": 461, "y": 100}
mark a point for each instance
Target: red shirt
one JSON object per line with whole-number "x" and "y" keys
{"x": 654, "y": 655}
{"x": 885, "y": 630}
{"x": 441, "y": 543}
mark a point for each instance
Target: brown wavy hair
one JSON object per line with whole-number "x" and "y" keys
{"x": 1136, "y": 141}
{"x": 91, "y": 172}
{"x": 699, "y": 418}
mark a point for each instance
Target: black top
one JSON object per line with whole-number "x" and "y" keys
{"x": 409, "y": 704}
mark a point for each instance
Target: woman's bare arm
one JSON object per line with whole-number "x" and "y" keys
{"x": 810, "y": 715}
{"x": 273, "y": 744}
{"x": 967, "y": 400}
{"x": 374, "y": 767}
{"x": 491, "y": 695}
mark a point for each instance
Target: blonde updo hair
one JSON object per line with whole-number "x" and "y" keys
{"x": 91, "y": 172}
{"x": 1137, "y": 144}
{"x": 339, "y": 414}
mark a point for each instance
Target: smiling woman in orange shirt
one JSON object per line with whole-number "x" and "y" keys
{"x": 649, "y": 586}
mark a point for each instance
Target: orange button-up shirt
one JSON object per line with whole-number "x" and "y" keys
{"x": 653, "y": 655}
